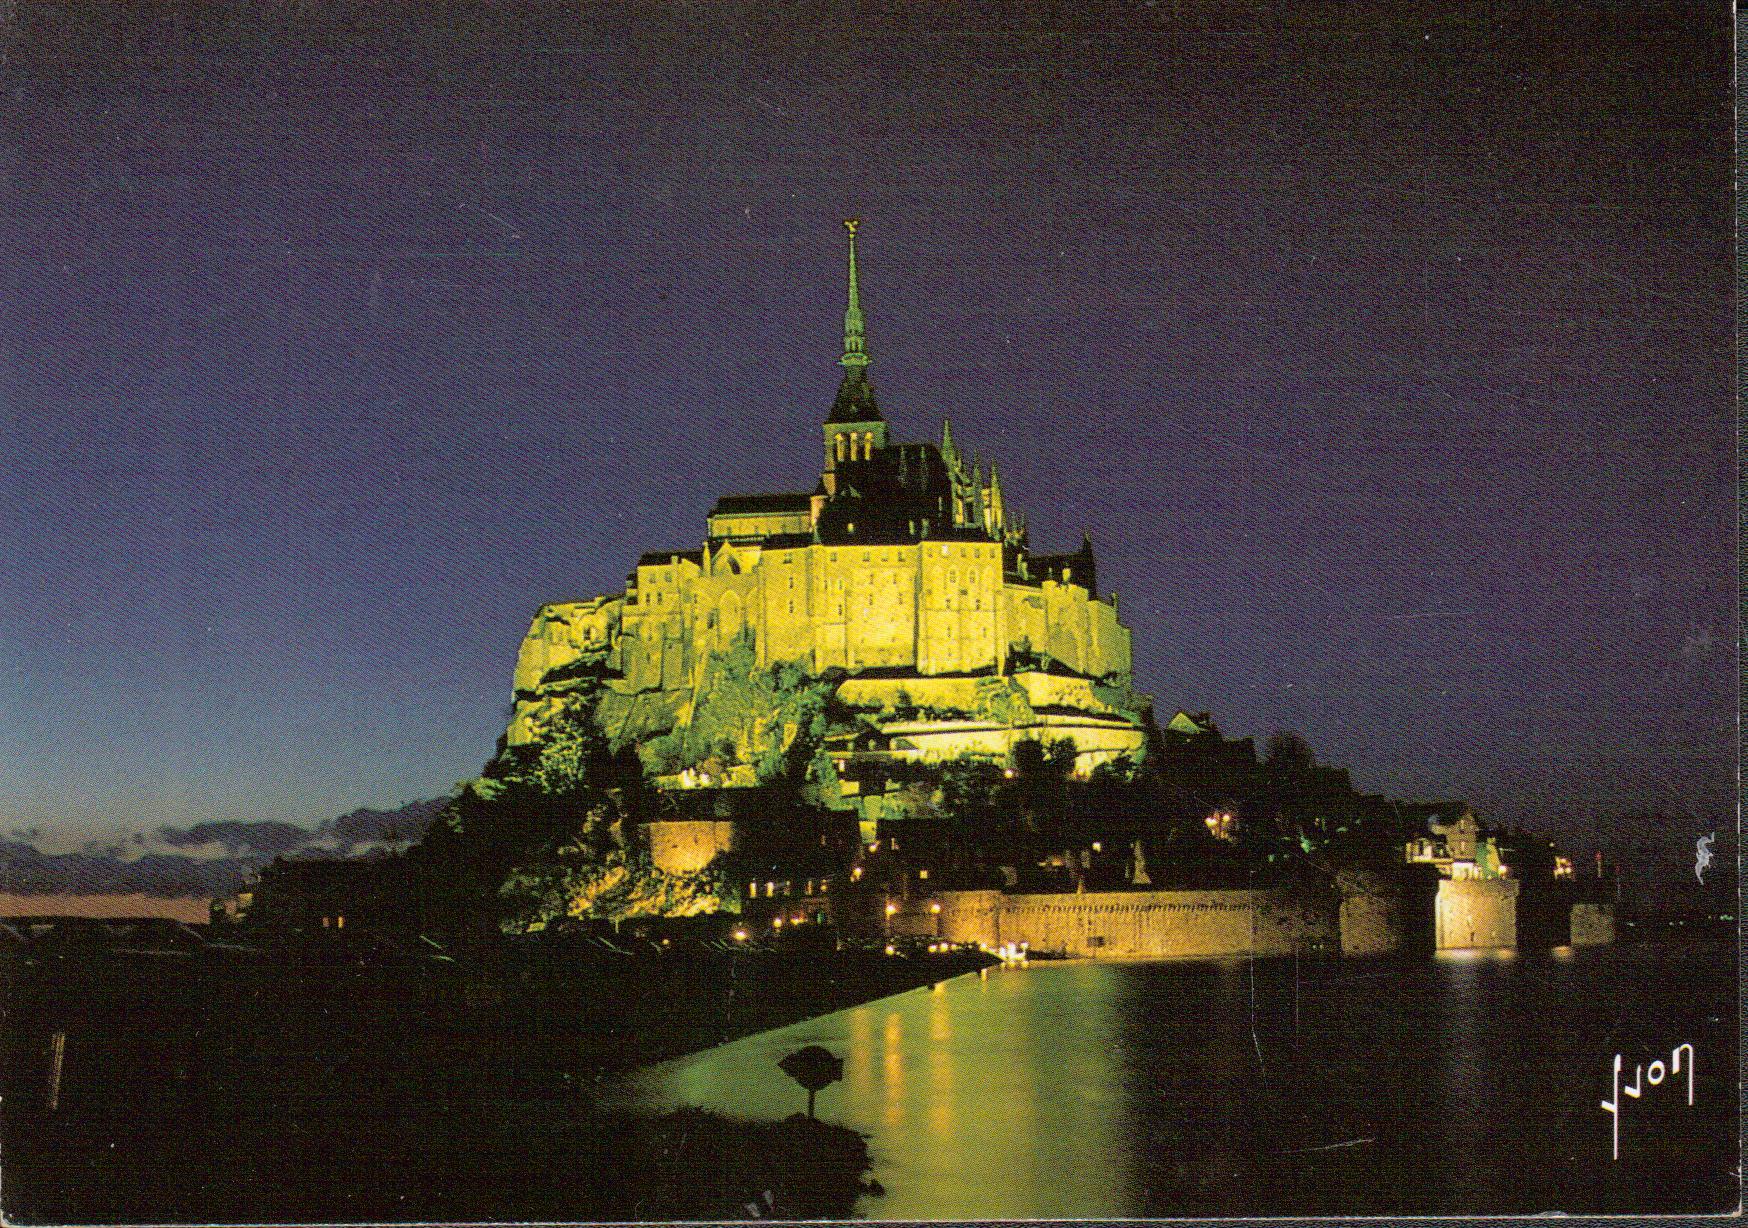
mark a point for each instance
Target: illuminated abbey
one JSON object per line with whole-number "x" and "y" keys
{"x": 902, "y": 566}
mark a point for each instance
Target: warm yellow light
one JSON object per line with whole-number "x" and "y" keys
{"x": 922, "y": 873}
{"x": 891, "y": 950}
{"x": 934, "y": 908}
{"x": 776, "y": 923}
{"x": 740, "y": 935}
{"x": 1007, "y": 773}
{"x": 797, "y": 919}
{"x": 1097, "y": 847}
{"x": 874, "y": 847}
{"x": 891, "y": 908}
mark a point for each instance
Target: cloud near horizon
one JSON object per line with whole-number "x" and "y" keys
{"x": 207, "y": 859}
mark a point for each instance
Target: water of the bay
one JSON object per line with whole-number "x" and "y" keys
{"x": 1460, "y": 1083}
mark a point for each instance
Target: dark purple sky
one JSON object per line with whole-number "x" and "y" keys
{"x": 1385, "y": 353}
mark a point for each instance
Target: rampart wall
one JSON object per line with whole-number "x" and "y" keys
{"x": 1375, "y": 924}
{"x": 1135, "y": 924}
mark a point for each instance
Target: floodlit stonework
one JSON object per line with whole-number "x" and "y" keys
{"x": 1129, "y": 924}
{"x": 688, "y": 846}
{"x": 903, "y": 567}
{"x": 1472, "y": 913}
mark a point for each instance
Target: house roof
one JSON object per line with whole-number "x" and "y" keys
{"x": 745, "y": 505}
{"x": 661, "y": 558}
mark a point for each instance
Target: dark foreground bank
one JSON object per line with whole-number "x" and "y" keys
{"x": 341, "y": 1081}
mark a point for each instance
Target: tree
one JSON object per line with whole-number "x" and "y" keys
{"x": 1060, "y": 757}
{"x": 1029, "y": 760}
{"x": 814, "y": 1068}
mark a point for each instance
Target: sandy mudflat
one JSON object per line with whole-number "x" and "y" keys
{"x": 135, "y": 904}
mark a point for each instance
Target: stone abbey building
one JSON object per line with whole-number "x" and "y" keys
{"x": 902, "y": 565}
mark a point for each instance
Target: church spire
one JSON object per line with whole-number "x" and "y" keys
{"x": 855, "y": 401}
{"x": 855, "y": 345}
{"x": 854, "y": 430}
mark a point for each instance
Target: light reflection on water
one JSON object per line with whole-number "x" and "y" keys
{"x": 1103, "y": 1090}
{"x": 1467, "y": 1081}
{"x": 983, "y": 1094}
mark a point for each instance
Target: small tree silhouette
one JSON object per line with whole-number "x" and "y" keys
{"x": 813, "y": 1068}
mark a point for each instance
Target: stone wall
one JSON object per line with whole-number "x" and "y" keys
{"x": 1475, "y": 913}
{"x": 1209, "y": 924}
{"x": 1096, "y": 739}
{"x": 965, "y": 916}
{"x": 1373, "y": 924}
{"x": 687, "y": 846}
{"x": 1135, "y": 924}
{"x": 935, "y": 607}
{"x": 1592, "y": 924}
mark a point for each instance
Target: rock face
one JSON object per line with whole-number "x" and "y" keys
{"x": 688, "y": 846}
{"x": 646, "y": 681}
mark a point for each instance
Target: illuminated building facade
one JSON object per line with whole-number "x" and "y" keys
{"x": 1458, "y": 849}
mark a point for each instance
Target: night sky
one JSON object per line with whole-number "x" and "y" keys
{"x": 1384, "y": 351}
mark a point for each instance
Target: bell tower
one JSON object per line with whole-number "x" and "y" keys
{"x": 854, "y": 430}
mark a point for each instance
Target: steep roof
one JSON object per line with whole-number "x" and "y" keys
{"x": 888, "y": 496}
{"x": 661, "y": 558}
{"x": 744, "y": 505}
{"x": 855, "y": 400}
